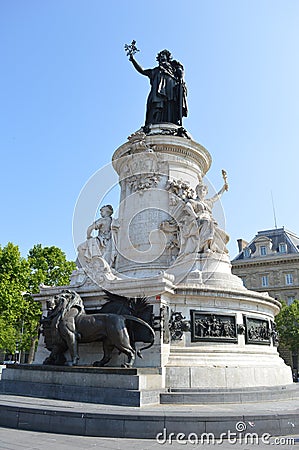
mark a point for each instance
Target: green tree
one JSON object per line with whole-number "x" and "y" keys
{"x": 49, "y": 266}
{"x": 287, "y": 322}
{"x": 8, "y": 336}
{"x": 19, "y": 278}
{"x": 17, "y": 310}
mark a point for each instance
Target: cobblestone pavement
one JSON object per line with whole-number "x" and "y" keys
{"x": 11, "y": 439}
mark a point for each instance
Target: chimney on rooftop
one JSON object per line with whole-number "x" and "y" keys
{"x": 241, "y": 244}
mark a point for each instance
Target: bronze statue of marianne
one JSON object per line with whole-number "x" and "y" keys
{"x": 167, "y": 100}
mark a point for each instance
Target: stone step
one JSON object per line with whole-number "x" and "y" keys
{"x": 87, "y": 419}
{"x": 87, "y": 369}
{"x": 103, "y": 396}
{"x": 104, "y": 377}
{"x": 105, "y": 385}
{"x": 208, "y": 396}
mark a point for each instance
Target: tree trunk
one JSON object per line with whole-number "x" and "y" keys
{"x": 32, "y": 350}
{"x": 295, "y": 366}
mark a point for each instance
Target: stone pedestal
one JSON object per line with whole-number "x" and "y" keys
{"x": 231, "y": 342}
{"x": 224, "y": 361}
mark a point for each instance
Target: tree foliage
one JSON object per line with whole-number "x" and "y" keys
{"x": 19, "y": 278}
{"x": 287, "y": 322}
{"x": 48, "y": 266}
{"x": 8, "y": 336}
{"x": 14, "y": 274}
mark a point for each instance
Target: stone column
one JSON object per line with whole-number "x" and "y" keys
{"x": 150, "y": 167}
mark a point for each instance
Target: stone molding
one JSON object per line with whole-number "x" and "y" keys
{"x": 264, "y": 261}
{"x": 172, "y": 145}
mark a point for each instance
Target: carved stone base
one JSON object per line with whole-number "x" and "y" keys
{"x": 211, "y": 367}
{"x": 231, "y": 343}
{"x": 229, "y": 346}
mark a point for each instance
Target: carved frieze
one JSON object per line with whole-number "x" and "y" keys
{"x": 138, "y": 142}
{"x": 274, "y": 334}
{"x": 139, "y": 183}
{"x": 213, "y": 327}
{"x": 181, "y": 132}
{"x": 241, "y": 329}
{"x": 178, "y": 325}
{"x": 180, "y": 188}
{"x": 141, "y": 163}
{"x": 257, "y": 331}
{"x": 141, "y": 171}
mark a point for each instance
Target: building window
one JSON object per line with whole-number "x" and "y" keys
{"x": 290, "y": 299}
{"x": 289, "y": 278}
{"x": 265, "y": 281}
{"x": 263, "y": 250}
{"x": 282, "y": 248}
{"x": 246, "y": 253}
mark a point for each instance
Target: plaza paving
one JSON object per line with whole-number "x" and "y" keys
{"x": 11, "y": 439}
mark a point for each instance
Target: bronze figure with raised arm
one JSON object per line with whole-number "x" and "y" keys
{"x": 167, "y": 100}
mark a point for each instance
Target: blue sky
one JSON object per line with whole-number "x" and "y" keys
{"x": 69, "y": 97}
